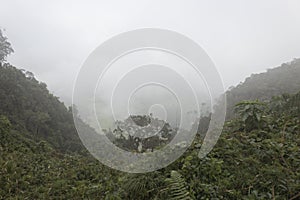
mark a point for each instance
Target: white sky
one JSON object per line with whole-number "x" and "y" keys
{"x": 53, "y": 38}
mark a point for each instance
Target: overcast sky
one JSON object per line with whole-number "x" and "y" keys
{"x": 53, "y": 38}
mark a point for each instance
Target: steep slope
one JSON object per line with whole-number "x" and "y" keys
{"x": 263, "y": 86}
{"x": 260, "y": 163}
{"x": 35, "y": 112}
{"x": 34, "y": 170}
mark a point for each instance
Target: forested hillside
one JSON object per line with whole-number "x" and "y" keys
{"x": 35, "y": 112}
{"x": 256, "y": 157}
{"x": 263, "y": 86}
{"x": 31, "y": 109}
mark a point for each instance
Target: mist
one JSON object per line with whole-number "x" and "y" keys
{"x": 54, "y": 38}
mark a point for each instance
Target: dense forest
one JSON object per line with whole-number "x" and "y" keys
{"x": 256, "y": 157}
{"x": 276, "y": 81}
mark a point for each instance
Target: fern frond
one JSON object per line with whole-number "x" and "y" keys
{"x": 177, "y": 187}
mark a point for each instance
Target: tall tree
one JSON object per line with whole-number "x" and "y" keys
{"x": 5, "y": 47}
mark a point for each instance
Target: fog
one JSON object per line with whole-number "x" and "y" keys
{"x": 54, "y": 38}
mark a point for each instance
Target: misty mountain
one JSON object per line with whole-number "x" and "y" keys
{"x": 276, "y": 81}
{"x": 265, "y": 158}
{"x": 256, "y": 157}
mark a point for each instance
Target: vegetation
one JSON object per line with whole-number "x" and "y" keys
{"x": 41, "y": 156}
{"x": 251, "y": 113}
{"x": 141, "y": 133}
{"x": 34, "y": 111}
{"x": 177, "y": 187}
{"x": 264, "y": 86}
{"x": 257, "y": 157}
{"x": 5, "y": 47}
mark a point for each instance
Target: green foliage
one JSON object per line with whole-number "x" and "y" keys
{"x": 35, "y": 112}
{"x": 133, "y": 134}
{"x": 292, "y": 103}
{"x": 34, "y": 170}
{"x": 262, "y": 164}
{"x": 142, "y": 186}
{"x": 177, "y": 187}
{"x": 41, "y": 154}
{"x": 264, "y": 86}
{"x": 5, "y": 125}
{"x": 251, "y": 113}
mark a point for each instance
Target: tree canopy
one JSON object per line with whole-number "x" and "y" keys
{"x": 256, "y": 157}
{"x": 5, "y": 47}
